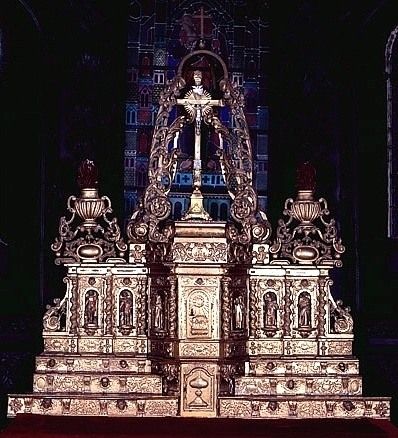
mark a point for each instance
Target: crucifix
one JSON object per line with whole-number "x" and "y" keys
{"x": 202, "y": 17}
{"x": 198, "y": 103}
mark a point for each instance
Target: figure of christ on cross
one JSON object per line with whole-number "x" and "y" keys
{"x": 198, "y": 103}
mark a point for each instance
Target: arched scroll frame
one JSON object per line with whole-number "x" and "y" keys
{"x": 154, "y": 208}
{"x": 248, "y": 223}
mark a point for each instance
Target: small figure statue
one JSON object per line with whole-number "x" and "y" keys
{"x": 158, "y": 312}
{"x": 304, "y": 310}
{"x": 90, "y": 308}
{"x": 126, "y": 308}
{"x": 239, "y": 312}
{"x": 270, "y": 310}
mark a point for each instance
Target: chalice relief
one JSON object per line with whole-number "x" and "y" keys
{"x": 198, "y": 103}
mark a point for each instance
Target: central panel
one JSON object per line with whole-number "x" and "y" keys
{"x": 200, "y": 257}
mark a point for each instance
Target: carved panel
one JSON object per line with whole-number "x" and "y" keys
{"x": 300, "y": 347}
{"x": 111, "y": 407}
{"x": 308, "y": 408}
{"x": 339, "y": 348}
{"x": 199, "y": 389}
{"x": 161, "y": 408}
{"x": 302, "y": 367}
{"x": 129, "y": 345}
{"x": 257, "y": 348}
{"x": 200, "y": 252}
{"x": 293, "y": 385}
{"x": 91, "y": 383}
{"x": 59, "y": 345}
{"x": 199, "y": 349}
{"x": 93, "y": 345}
{"x": 200, "y": 315}
{"x": 71, "y": 364}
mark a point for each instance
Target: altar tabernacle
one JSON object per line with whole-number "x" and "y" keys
{"x": 198, "y": 317}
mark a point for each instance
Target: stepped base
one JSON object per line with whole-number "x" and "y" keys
{"x": 300, "y": 386}
{"x": 138, "y": 405}
{"x": 97, "y": 383}
{"x": 304, "y": 407}
{"x": 108, "y": 405}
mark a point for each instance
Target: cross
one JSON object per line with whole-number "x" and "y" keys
{"x": 198, "y": 103}
{"x": 201, "y": 16}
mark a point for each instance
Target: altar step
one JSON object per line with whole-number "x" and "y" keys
{"x": 280, "y": 407}
{"x": 288, "y": 407}
{"x": 299, "y": 385}
{"x": 295, "y": 366}
{"x": 70, "y": 363}
{"x": 111, "y": 405}
{"x": 97, "y": 383}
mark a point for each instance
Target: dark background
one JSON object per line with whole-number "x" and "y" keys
{"x": 62, "y": 92}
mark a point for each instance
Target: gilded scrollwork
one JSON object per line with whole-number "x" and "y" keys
{"x": 307, "y": 236}
{"x": 250, "y": 224}
{"x": 141, "y": 306}
{"x": 287, "y": 305}
{"x": 253, "y": 309}
{"x": 53, "y": 315}
{"x": 173, "y": 306}
{"x": 342, "y": 319}
{"x": 199, "y": 252}
{"x": 226, "y": 306}
{"x": 96, "y": 237}
{"x": 146, "y": 223}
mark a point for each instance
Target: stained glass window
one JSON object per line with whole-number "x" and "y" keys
{"x": 160, "y": 35}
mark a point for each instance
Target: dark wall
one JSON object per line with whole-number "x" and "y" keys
{"x": 62, "y": 82}
{"x": 329, "y": 106}
{"x": 62, "y": 85}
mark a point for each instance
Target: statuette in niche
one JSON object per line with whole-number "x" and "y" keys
{"x": 126, "y": 309}
{"x": 91, "y": 309}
